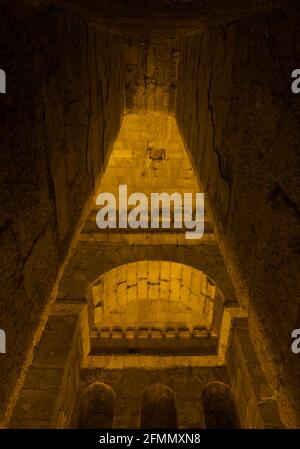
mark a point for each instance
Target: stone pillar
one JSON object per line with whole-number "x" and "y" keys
{"x": 256, "y": 405}
{"x": 48, "y": 395}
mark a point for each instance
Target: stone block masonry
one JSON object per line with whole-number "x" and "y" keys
{"x": 239, "y": 120}
{"x": 65, "y": 86}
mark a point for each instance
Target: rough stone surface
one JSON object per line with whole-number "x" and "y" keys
{"x": 66, "y": 81}
{"x": 164, "y": 16}
{"x": 240, "y": 123}
{"x": 256, "y": 404}
{"x": 53, "y": 378}
{"x": 63, "y": 87}
{"x": 151, "y": 73}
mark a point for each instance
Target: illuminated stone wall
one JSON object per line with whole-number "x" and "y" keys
{"x": 149, "y": 156}
{"x": 154, "y": 293}
{"x": 49, "y": 392}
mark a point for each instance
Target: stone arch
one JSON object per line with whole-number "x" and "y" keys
{"x": 96, "y": 407}
{"x": 147, "y": 280}
{"x": 159, "y": 408}
{"x": 130, "y": 290}
{"x": 102, "y": 259}
{"x": 219, "y": 407}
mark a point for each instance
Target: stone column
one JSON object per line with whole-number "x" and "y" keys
{"x": 48, "y": 395}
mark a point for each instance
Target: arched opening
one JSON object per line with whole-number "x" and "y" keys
{"x": 96, "y": 407}
{"x": 159, "y": 409}
{"x": 154, "y": 293}
{"x": 155, "y": 307}
{"x": 219, "y": 407}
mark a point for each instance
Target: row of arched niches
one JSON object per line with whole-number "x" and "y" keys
{"x": 158, "y": 408}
